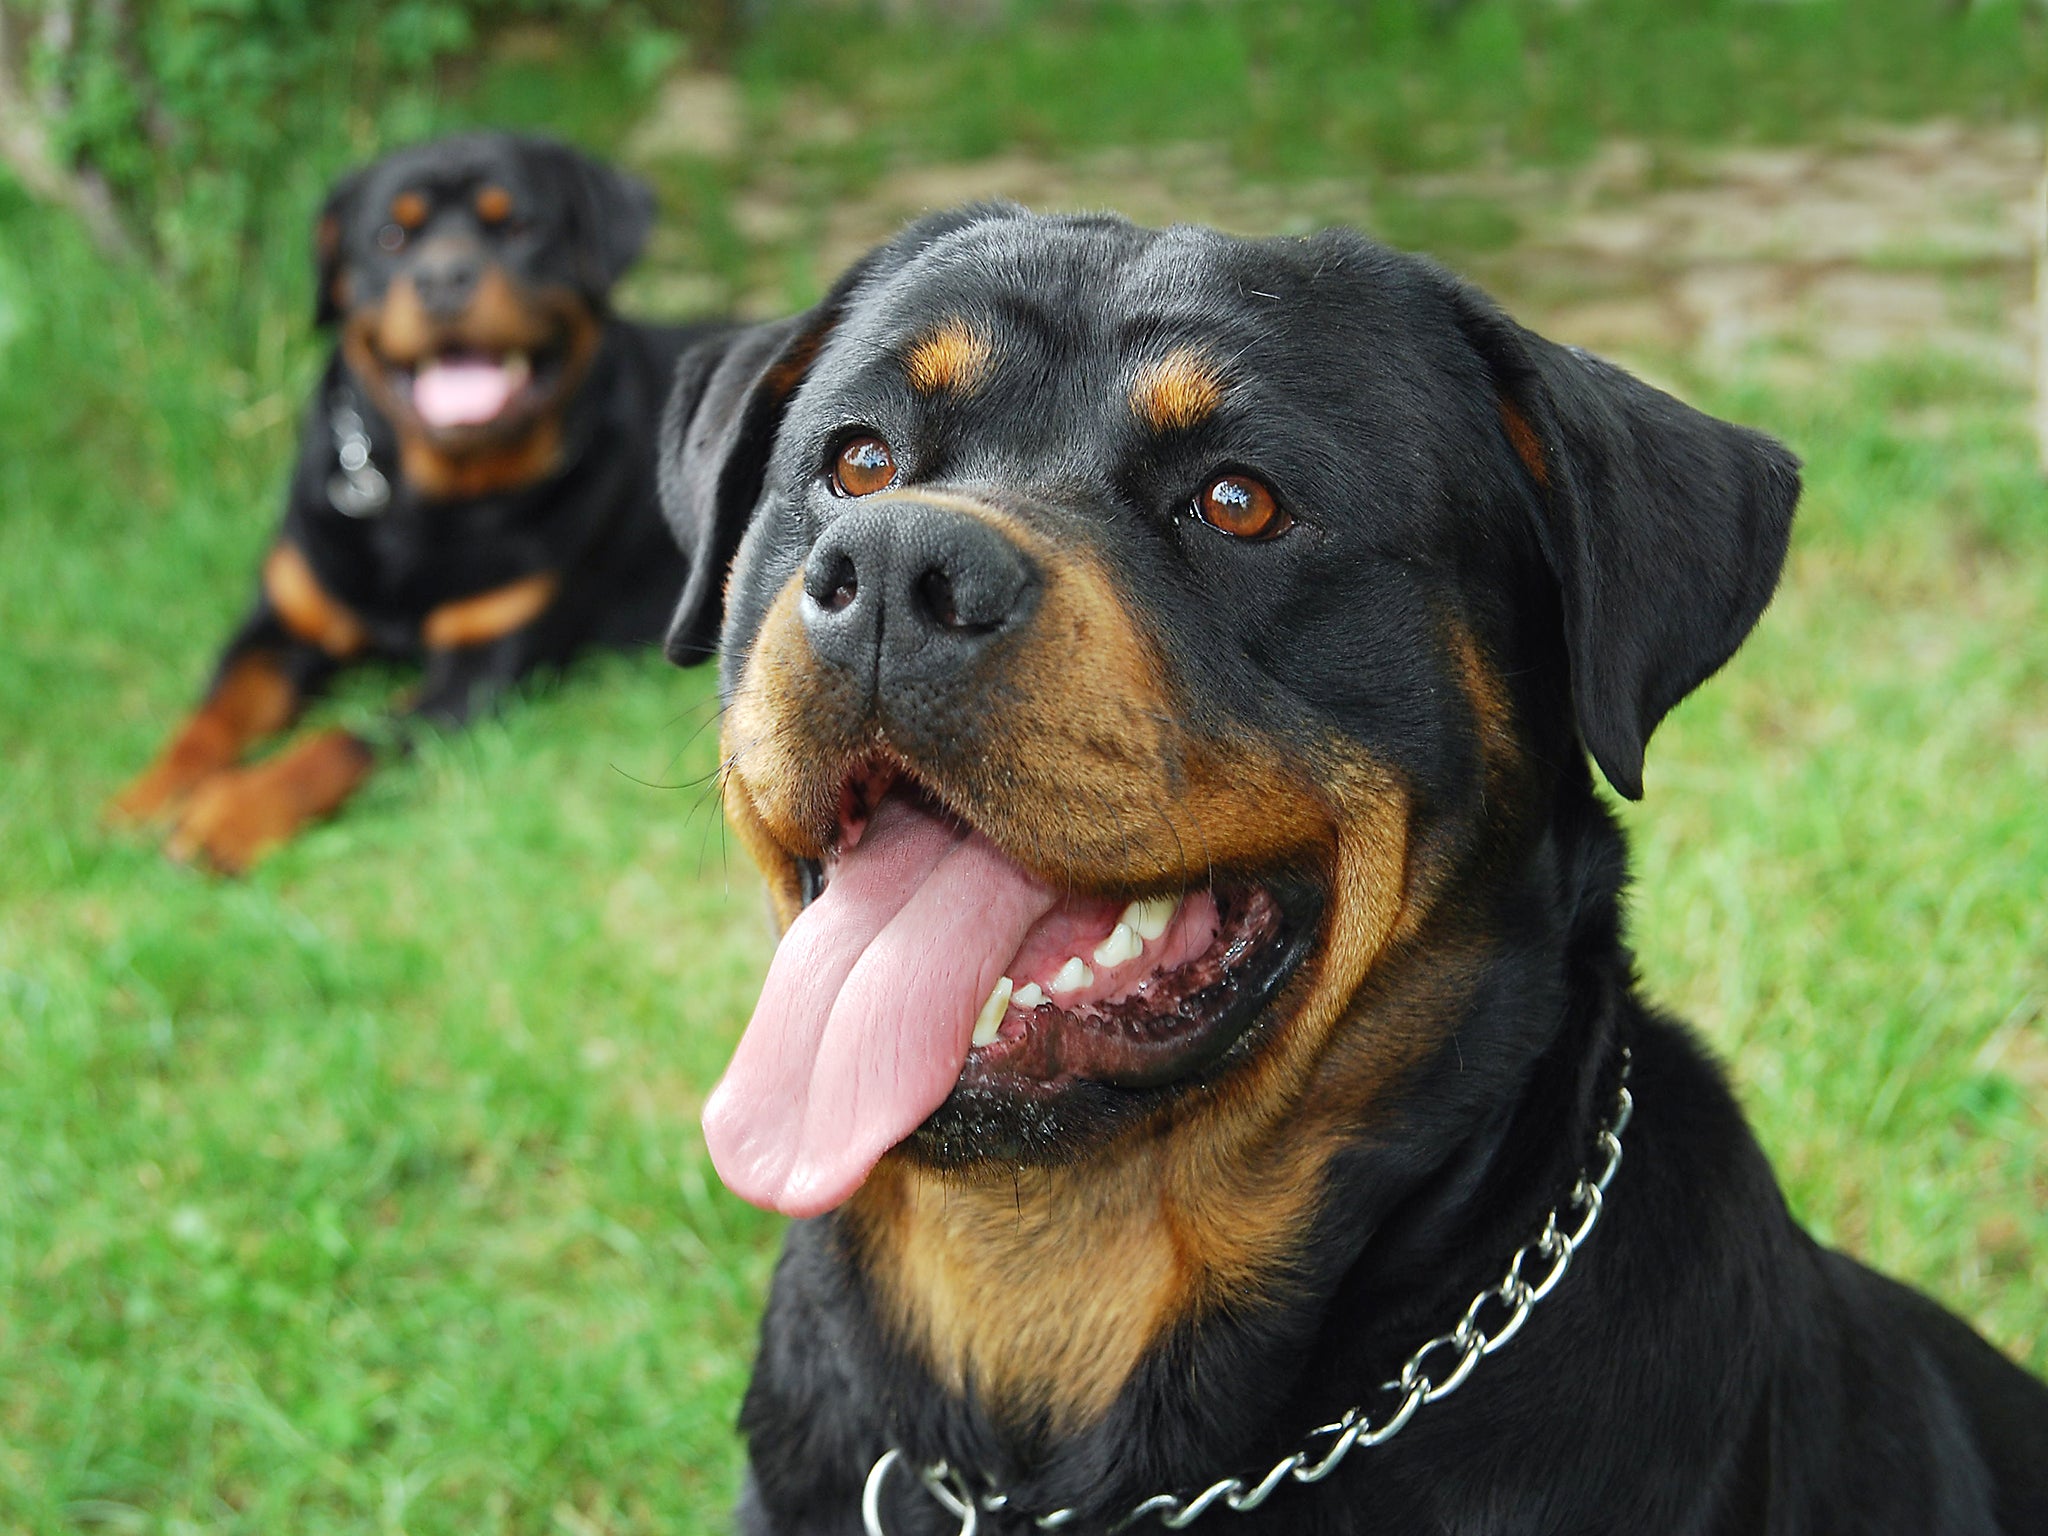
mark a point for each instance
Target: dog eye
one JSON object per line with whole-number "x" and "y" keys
{"x": 1242, "y": 507}
{"x": 391, "y": 236}
{"x": 863, "y": 467}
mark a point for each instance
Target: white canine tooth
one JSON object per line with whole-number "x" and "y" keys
{"x": 1149, "y": 919}
{"x": 1030, "y": 995}
{"x": 990, "y": 1021}
{"x": 1072, "y": 977}
{"x": 1121, "y": 945}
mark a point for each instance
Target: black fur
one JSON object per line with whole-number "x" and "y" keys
{"x": 1704, "y": 1367}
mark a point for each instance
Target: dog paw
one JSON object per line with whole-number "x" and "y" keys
{"x": 158, "y": 794}
{"x": 235, "y": 819}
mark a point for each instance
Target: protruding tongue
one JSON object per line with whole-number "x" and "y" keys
{"x": 868, "y": 1011}
{"x": 462, "y": 392}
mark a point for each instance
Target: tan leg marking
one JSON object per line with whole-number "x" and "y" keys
{"x": 488, "y": 615}
{"x": 236, "y": 818}
{"x": 252, "y": 700}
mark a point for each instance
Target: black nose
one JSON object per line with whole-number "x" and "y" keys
{"x": 906, "y": 592}
{"x": 446, "y": 277}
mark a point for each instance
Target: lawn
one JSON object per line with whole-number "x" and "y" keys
{"x": 366, "y": 1195}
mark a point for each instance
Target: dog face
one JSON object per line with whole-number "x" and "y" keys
{"x": 1151, "y": 660}
{"x": 469, "y": 277}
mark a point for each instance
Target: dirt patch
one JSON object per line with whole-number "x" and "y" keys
{"x": 1888, "y": 240}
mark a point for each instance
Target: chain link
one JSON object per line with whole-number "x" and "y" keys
{"x": 358, "y": 487}
{"x": 1517, "y": 1292}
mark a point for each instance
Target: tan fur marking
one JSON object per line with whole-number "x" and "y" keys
{"x": 305, "y": 608}
{"x": 1042, "y": 1289}
{"x": 237, "y": 818}
{"x": 954, "y": 357}
{"x": 252, "y": 700}
{"x": 1493, "y": 712}
{"x": 1180, "y": 390}
{"x": 409, "y": 210}
{"x": 494, "y": 205}
{"x": 488, "y": 615}
{"x": 1528, "y": 447}
{"x": 502, "y": 317}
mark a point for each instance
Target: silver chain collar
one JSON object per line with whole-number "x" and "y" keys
{"x": 358, "y": 487}
{"x": 1462, "y": 1349}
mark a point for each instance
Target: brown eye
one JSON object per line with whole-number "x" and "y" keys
{"x": 391, "y": 236}
{"x": 864, "y": 466}
{"x": 1242, "y": 507}
{"x": 494, "y": 205}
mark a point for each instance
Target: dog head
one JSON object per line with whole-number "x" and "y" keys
{"x": 469, "y": 277}
{"x": 1154, "y": 661}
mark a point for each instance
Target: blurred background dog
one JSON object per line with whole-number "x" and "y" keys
{"x": 475, "y": 480}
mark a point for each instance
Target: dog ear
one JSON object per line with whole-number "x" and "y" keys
{"x": 1664, "y": 527}
{"x": 718, "y": 430}
{"x": 330, "y": 239}
{"x": 612, "y": 214}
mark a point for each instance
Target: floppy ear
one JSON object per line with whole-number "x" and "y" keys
{"x": 718, "y": 429}
{"x": 1665, "y": 528}
{"x": 330, "y": 234}
{"x": 613, "y": 214}
{"x": 716, "y": 433}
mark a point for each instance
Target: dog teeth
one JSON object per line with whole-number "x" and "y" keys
{"x": 1072, "y": 977}
{"x": 1030, "y": 995}
{"x": 518, "y": 365}
{"x": 990, "y": 1021}
{"x": 1149, "y": 919}
{"x": 1121, "y": 945}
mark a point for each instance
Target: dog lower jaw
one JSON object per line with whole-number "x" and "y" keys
{"x": 1069, "y": 1084}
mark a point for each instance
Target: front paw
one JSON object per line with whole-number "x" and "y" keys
{"x": 231, "y": 821}
{"x": 237, "y": 818}
{"x": 157, "y": 794}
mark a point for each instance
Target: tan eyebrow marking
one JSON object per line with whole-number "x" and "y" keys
{"x": 953, "y": 357}
{"x": 409, "y": 210}
{"x": 1178, "y": 391}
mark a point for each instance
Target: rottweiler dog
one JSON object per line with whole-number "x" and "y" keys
{"x": 1160, "y": 675}
{"x": 475, "y": 486}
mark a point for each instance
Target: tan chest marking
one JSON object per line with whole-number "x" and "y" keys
{"x": 305, "y": 607}
{"x": 490, "y": 615}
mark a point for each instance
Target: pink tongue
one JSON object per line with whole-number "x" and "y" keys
{"x": 868, "y": 1011}
{"x": 461, "y": 394}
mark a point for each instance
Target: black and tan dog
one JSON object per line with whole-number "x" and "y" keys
{"x": 475, "y": 487}
{"x": 1160, "y": 671}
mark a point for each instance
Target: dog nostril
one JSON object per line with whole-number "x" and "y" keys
{"x": 935, "y": 594}
{"x": 841, "y": 586}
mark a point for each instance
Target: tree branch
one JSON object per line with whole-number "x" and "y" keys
{"x": 26, "y": 151}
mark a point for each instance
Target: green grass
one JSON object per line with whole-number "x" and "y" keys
{"x": 366, "y": 1195}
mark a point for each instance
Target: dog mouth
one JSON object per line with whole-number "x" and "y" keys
{"x": 928, "y": 962}
{"x": 464, "y": 389}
